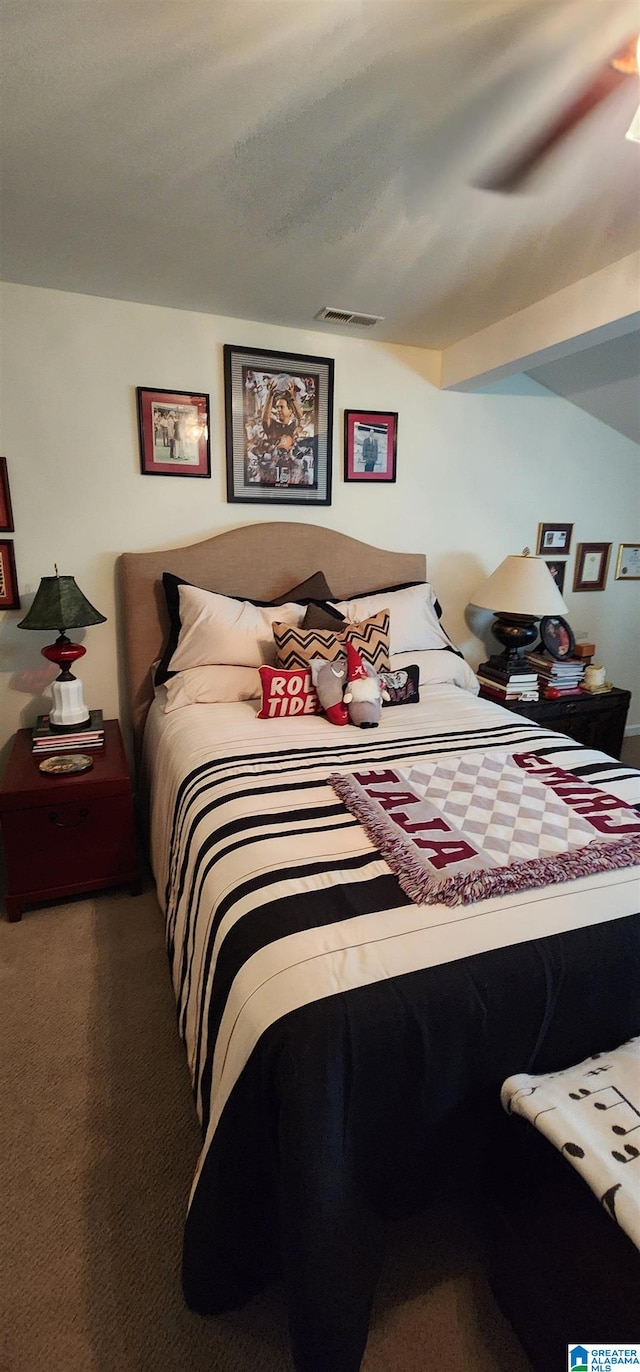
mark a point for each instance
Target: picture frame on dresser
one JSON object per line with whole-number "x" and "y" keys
{"x": 174, "y": 433}
{"x": 592, "y": 565}
{"x": 279, "y": 426}
{"x": 9, "y": 598}
{"x": 557, "y": 637}
{"x": 6, "y": 512}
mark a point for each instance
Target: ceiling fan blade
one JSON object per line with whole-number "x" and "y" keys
{"x": 512, "y": 174}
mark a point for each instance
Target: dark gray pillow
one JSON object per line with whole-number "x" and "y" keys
{"x": 322, "y": 616}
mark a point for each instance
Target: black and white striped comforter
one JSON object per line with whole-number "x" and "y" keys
{"x": 282, "y": 919}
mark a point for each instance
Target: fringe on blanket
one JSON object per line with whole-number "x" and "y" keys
{"x": 424, "y": 888}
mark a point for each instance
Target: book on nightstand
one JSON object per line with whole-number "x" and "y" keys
{"x": 46, "y": 739}
{"x": 528, "y": 693}
{"x": 520, "y": 675}
{"x": 501, "y": 684}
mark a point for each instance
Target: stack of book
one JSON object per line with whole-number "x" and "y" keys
{"x": 45, "y": 739}
{"x": 521, "y": 683}
{"x": 558, "y": 677}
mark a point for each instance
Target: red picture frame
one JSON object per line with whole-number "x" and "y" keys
{"x": 6, "y": 512}
{"x": 9, "y": 598}
{"x": 370, "y": 445}
{"x": 174, "y": 433}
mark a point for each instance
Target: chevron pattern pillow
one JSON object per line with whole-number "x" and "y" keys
{"x": 295, "y": 647}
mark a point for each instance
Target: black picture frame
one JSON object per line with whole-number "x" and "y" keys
{"x": 278, "y": 453}
{"x": 174, "y": 432}
{"x": 558, "y": 570}
{"x": 557, "y": 637}
{"x": 6, "y": 513}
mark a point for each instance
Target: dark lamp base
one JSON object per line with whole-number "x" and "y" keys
{"x": 69, "y": 728}
{"x": 515, "y": 632}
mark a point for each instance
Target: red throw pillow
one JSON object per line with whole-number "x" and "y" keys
{"x": 287, "y": 693}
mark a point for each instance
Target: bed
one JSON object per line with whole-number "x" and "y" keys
{"x": 346, "y": 1045}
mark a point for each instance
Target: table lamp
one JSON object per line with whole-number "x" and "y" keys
{"x": 59, "y": 604}
{"x": 520, "y": 592}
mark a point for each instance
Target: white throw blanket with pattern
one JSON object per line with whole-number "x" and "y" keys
{"x": 459, "y": 829}
{"x": 591, "y": 1113}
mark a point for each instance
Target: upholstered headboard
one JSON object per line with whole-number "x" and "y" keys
{"x": 257, "y": 560}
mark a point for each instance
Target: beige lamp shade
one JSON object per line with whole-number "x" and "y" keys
{"x": 520, "y": 586}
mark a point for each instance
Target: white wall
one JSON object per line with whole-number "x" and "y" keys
{"x": 476, "y": 473}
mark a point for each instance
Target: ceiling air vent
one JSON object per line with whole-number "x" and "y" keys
{"x": 329, "y": 315}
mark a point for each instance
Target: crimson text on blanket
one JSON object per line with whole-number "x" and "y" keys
{"x": 580, "y": 796}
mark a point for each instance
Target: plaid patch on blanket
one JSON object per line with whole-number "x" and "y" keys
{"x": 459, "y": 829}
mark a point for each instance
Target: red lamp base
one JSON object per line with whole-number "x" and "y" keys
{"x": 63, "y": 652}
{"x": 69, "y": 710}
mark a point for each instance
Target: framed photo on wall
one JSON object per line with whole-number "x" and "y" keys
{"x": 554, "y": 538}
{"x": 9, "y": 598}
{"x": 370, "y": 445}
{"x": 6, "y": 513}
{"x": 592, "y": 565}
{"x": 557, "y": 570}
{"x": 628, "y": 564}
{"x": 279, "y": 427}
{"x": 174, "y": 433}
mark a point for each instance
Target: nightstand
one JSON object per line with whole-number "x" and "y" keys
{"x": 64, "y": 835}
{"x": 596, "y": 721}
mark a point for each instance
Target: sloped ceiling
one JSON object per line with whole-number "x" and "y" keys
{"x": 603, "y": 380}
{"x": 264, "y": 158}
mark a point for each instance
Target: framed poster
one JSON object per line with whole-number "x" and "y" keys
{"x": 279, "y": 427}
{"x": 370, "y": 445}
{"x": 6, "y": 513}
{"x": 174, "y": 433}
{"x": 9, "y": 598}
{"x": 592, "y": 565}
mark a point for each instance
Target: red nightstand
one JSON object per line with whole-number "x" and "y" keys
{"x": 67, "y": 834}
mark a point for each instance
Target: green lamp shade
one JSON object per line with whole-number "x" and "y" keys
{"x": 60, "y": 604}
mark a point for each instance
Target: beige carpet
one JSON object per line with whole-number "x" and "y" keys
{"x": 98, "y": 1141}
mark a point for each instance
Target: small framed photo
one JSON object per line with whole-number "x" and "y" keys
{"x": 557, "y": 570}
{"x": 554, "y": 538}
{"x": 557, "y": 637}
{"x": 370, "y": 445}
{"x": 628, "y": 564}
{"x": 9, "y": 598}
{"x": 592, "y": 565}
{"x": 279, "y": 427}
{"x": 6, "y": 513}
{"x": 174, "y": 433}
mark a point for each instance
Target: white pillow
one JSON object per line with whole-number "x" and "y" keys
{"x": 218, "y": 631}
{"x": 210, "y": 686}
{"x": 414, "y": 623}
{"x": 439, "y": 669}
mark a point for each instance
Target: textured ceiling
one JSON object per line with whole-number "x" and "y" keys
{"x": 263, "y": 158}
